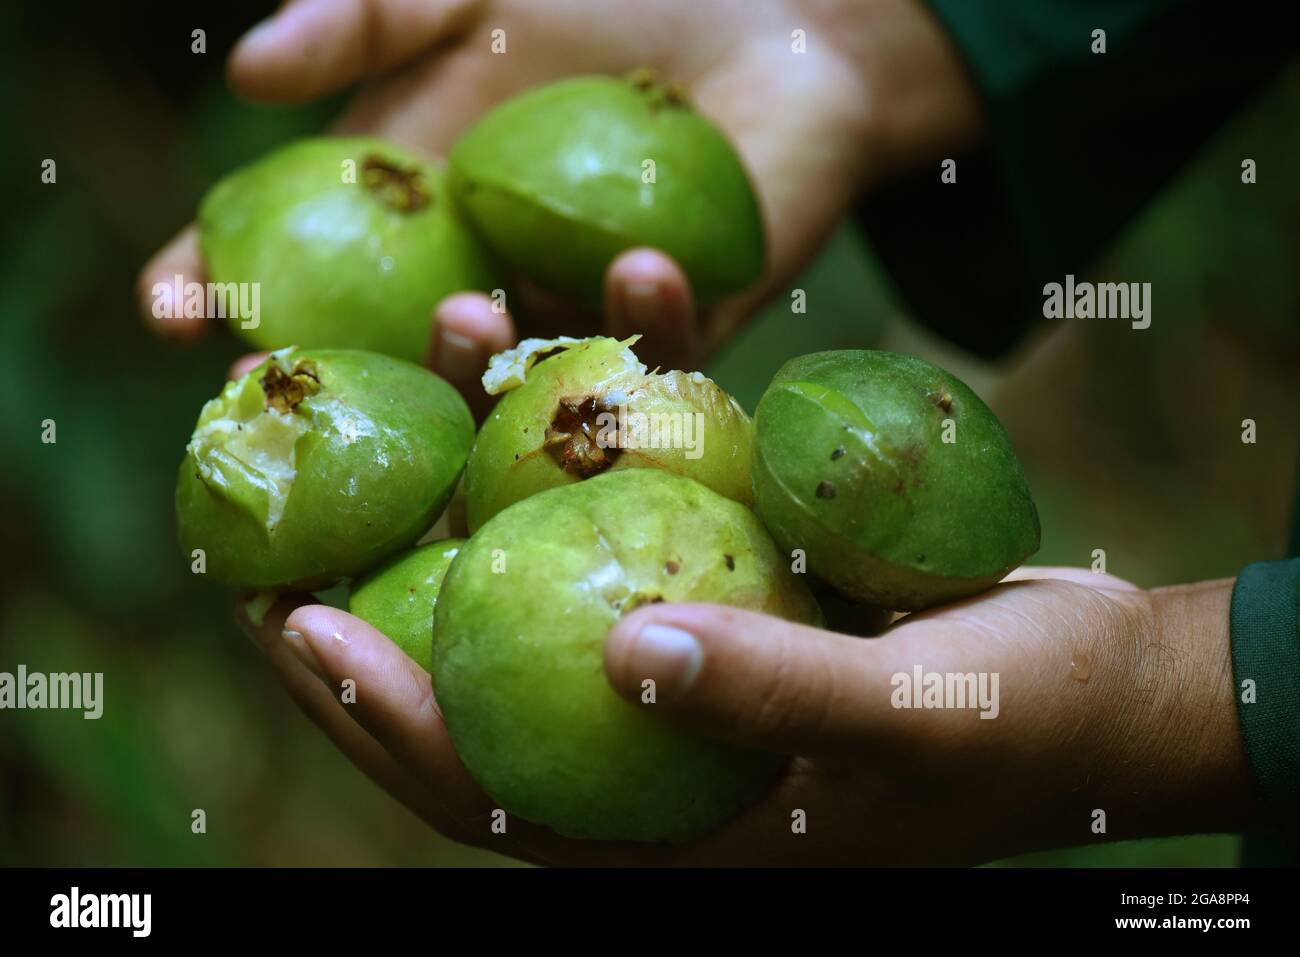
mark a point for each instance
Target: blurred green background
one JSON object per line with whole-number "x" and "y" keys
{"x": 1132, "y": 444}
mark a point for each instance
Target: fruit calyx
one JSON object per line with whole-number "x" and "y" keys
{"x": 398, "y": 188}
{"x": 574, "y": 437}
{"x": 509, "y": 369}
{"x": 659, "y": 94}
{"x": 284, "y": 391}
{"x": 244, "y": 447}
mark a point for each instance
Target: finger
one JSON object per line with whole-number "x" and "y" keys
{"x": 171, "y": 268}
{"x": 393, "y": 701}
{"x": 461, "y": 812}
{"x": 468, "y": 329}
{"x": 311, "y": 48}
{"x": 245, "y": 364}
{"x": 320, "y": 706}
{"x": 646, "y": 292}
{"x": 1080, "y": 576}
{"x": 748, "y": 677}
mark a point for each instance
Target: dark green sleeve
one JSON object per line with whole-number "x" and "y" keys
{"x": 1266, "y": 652}
{"x": 1075, "y": 144}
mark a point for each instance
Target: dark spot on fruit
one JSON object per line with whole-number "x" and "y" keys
{"x": 516, "y": 456}
{"x": 731, "y": 563}
{"x": 525, "y": 430}
{"x": 577, "y": 438}
{"x": 941, "y": 399}
{"x": 642, "y": 78}
{"x": 672, "y": 567}
{"x": 920, "y": 558}
{"x": 837, "y": 454}
{"x": 411, "y": 589}
{"x": 397, "y": 188}
{"x": 825, "y": 490}
{"x": 285, "y": 391}
{"x": 541, "y": 357}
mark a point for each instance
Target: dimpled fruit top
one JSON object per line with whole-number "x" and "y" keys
{"x": 352, "y": 243}
{"x": 517, "y": 666}
{"x": 574, "y": 408}
{"x": 563, "y": 178}
{"x": 900, "y": 485}
{"x": 317, "y": 465}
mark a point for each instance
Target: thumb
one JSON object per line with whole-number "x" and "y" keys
{"x": 310, "y": 48}
{"x": 750, "y": 678}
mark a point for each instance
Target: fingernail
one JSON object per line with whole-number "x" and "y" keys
{"x": 642, "y": 308}
{"x": 268, "y": 30}
{"x": 458, "y": 357}
{"x": 302, "y": 651}
{"x": 669, "y": 656}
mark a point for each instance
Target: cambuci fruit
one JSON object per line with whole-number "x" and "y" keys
{"x": 351, "y": 242}
{"x": 563, "y": 178}
{"x": 317, "y": 465}
{"x": 518, "y": 632}
{"x": 398, "y": 597}
{"x": 896, "y": 480}
{"x": 574, "y": 408}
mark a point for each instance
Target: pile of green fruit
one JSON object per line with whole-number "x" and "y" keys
{"x": 353, "y": 241}
{"x": 595, "y": 486}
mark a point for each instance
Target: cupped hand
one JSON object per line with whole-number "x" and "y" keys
{"x": 1107, "y": 699}
{"x": 818, "y": 97}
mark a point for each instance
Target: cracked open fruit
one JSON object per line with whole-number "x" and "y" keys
{"x": 398, "y": 597}
{"x": 317, "y": 465}
{"x": 574, "y": 408}
{"x": 896, "y": 480}
{"x": 563, "y": 178}
{"x": 519, "y": 629}
{"x": 352, "y": 242}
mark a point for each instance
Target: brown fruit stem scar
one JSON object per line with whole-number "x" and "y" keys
{"x": 573, "y": 438}
{"x": 404, "y": 190}
{"x": 659, "y": 94}
{"x": 285, "y": 391}
{"x": 941, "y": 399}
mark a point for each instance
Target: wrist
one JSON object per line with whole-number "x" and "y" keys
{"x": 1190, "y": 760}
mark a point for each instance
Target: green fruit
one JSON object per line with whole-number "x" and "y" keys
{"x": 317, "y": 465}
{"x": 518, "y": 637}
{"x": 348, "y": 263}
{"x": 555, "y": 180}
{"x": 398, "y": 597}
{"x": 574, "y": 408}
{"x": 851, "y": 465}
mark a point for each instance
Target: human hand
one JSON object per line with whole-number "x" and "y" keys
{"x": 1108, "y": 697}
{"x": 878, "y": 87}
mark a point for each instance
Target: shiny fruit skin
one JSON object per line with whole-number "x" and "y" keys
{"x": 516, "y": 452}
{"x": 373, "y": 453}
{"x": 850, "y": 465}
{"x": 517, "y": 666}
{"x": 356, "y": 264}
{"x": 398, "y": 597}
{"x": 555, "y": 182}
